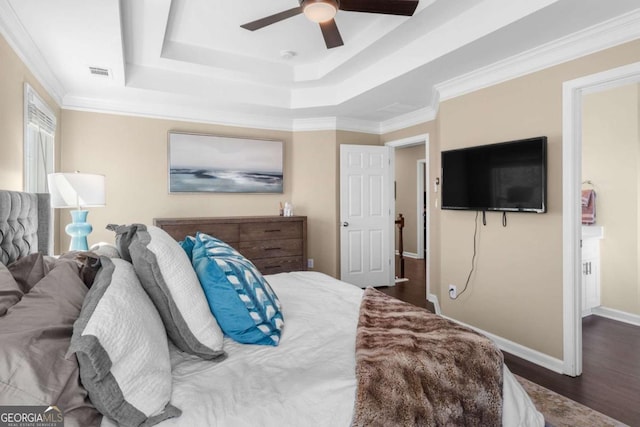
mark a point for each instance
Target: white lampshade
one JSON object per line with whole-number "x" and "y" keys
{"x": 69, "y": 190}
{"x": 320, "y": 10}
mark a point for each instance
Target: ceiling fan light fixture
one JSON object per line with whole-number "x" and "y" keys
{"x": 319, "y": 10}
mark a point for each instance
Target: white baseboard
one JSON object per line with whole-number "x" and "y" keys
{"x": 621, "y": 316}
{"x": 433, "y": 299}
{"x": 520, "y": 351}
{"x": 511, "y": 347}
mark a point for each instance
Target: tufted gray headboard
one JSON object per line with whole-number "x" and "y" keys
{"x": 24, "y": 224}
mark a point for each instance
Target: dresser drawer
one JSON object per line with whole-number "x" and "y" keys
{"x": 279, "y": 265}
{"x": 252, "y": 231}
{"x": 271, "y": 248}
{"x": 229, "y": 233}
{"x": 275, "y": 244}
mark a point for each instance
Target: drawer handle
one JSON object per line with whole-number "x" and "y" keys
{"x": 272, "y": 231}
{"x": 272, "y": 249}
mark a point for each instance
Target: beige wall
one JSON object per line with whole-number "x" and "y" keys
{"x": 314, "y": 179}
{"x": 611, "y": 160}
{"x": 13, "y": 75}
{"x": 516, "y": 289}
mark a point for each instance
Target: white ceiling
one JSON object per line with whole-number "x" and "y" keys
{"x": 189, "y": 59}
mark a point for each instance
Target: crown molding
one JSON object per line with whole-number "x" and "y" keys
{"x": 356, "y": 125}
{"x": 334, "y": 124}
{"x": 314, "y": 124}
{"x": 413, "y": 118}
{"x": 19, "y": 40}
{"x": 217, "y": 117}
{"x": 178, "y": 112}
{"x": 611, "y": 33}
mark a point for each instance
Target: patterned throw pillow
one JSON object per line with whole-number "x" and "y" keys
{"x": 241, "y": 300}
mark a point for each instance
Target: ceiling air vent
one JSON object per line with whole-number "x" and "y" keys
{"x": 101, "y": 72}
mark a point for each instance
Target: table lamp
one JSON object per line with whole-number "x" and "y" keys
{"x": 77, "y": 190}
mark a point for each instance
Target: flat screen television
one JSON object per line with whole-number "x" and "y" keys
{"x": 508, "y": 176}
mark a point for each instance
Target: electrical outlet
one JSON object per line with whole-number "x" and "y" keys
{"x": 453, "y": 291}
{"x": 310, "y": 263}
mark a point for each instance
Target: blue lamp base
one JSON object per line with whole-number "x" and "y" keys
{"x": 79, "y": 229}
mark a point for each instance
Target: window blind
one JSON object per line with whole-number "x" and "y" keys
{"x": 39, "y": 114}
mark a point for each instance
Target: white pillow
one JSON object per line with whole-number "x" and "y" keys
{"x": 105, "y": 249}
{"x": 167, "y": 275}
{"x": 122, "y": 349}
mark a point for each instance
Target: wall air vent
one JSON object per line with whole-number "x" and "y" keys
{"x": 101, "y": 72}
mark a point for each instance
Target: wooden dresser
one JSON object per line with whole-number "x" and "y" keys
{"x": 275, "y": 244}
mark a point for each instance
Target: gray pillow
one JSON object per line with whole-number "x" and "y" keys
{"x": 122, "y": 349}
{"x": 29, "y": 270}
{"x": 10, "y": 292}
{"x": 124, "y": 234}
{"x": 167, "y": 275}
{"x": 34, "y": 338}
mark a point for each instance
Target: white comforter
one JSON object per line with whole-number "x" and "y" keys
{"x": 308, "y": 380}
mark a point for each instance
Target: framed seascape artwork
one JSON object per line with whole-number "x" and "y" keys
{"x": 215, "y": 164}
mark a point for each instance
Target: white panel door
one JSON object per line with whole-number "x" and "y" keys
{"x": 366, "y": 250}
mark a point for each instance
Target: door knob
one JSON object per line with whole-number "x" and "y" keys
{"x": 345, "y": 224}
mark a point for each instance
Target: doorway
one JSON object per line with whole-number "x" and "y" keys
{"x": 416, "y": 199}
{"x": 573, "y": 92}
{"x": 610, "y": 171}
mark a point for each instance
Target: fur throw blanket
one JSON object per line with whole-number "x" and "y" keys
{"x": 415, "y": 368}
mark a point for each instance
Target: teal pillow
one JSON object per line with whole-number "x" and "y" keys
{"x": 187, "y": 245}
{"x": 241, "y": 300}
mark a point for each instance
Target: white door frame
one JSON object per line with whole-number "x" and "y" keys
{"x": 422, "y": 174}
{"x": 572, "y": 92}
{"x": 407, "y": 142}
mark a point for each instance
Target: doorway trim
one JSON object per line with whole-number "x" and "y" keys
{"x": 422, "y": 176}
{"x": 408, "y": 142}
{"x": 572, "y": 93}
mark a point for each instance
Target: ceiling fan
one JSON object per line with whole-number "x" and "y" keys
{"x": 323, "y": 11}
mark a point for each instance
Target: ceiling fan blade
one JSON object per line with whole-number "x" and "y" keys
{"x": 388, "y": 7}
{"x": 332, "y": 37}
{"x": 272, "y": 19}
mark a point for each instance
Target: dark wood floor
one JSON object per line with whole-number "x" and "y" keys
{"x": 414, "y": 290}
{"x": 610, "y": 382}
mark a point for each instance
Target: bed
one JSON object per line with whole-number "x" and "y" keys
{"x": 315, "y": 375}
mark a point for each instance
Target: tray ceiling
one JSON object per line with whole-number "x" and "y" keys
{"x": 189, "y": 59}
